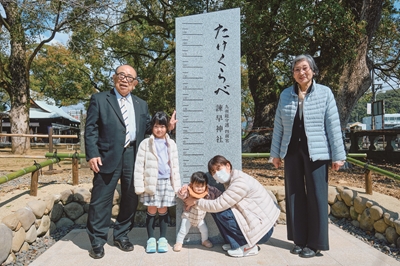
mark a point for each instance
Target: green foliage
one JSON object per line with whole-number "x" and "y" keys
{"x": 385, "y": 46}
{"x": 142, "y": 36}
{"x": 58, "y": 74}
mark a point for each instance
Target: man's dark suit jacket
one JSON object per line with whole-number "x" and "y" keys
{"x": 105, "y": 128}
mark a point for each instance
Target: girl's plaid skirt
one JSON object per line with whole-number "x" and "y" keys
{"x": 164, "y": 196}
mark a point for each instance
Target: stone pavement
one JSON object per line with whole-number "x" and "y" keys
{"x": 344, "y": 250}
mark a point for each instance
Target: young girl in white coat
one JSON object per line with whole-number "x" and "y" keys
{"x": 157, "y": 179}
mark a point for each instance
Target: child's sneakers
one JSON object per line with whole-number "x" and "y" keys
{"x": 207, "y": 243}
{"x": 162, "y": 245}
{"x": 177, "y": 247}
{"x": 151, "y": 245}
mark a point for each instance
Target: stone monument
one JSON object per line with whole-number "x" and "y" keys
{"x": 208, "y": 97}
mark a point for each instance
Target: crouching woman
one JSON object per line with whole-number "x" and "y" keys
{"x": 245, "y": 213}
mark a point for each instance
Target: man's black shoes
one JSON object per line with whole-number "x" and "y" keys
{"x": 123, "y": 244}
{"x": 97, "y": 252}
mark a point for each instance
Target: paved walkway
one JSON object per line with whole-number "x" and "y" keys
{"x": 344, "y": 250}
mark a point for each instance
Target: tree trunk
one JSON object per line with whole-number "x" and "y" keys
{"x": 356, "y": 79}
{"x": 19, "y": 85}
{"x": 354, "y": 82}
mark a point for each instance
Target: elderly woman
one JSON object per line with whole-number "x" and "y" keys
{"x": 308, "y": 137}
{"x": 245, "y": 213}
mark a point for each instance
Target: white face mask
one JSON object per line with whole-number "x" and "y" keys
{"x": 222, "y": 176}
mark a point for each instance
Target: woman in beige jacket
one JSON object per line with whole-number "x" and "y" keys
{"x": 245, "y": 213}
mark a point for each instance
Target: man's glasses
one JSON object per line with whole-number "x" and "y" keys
{"x": 122, "y": 76}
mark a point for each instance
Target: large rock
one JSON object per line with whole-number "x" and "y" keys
{"x": 31, "y": 235}
{"x": 340, "y": 210}
{"x": 280, "y": 194}
{"x": 38, "y": 207}
{"x": 49, "y": 201}
{"x": 6, "y": 238}
{"x": 66, "y": 196}
{"x": 10, "y": 260}
{"x": 347, "y": 196}
{"x": 18, "y": 239}
{"x": 376, "y": 212}
{"x": 56, "y": 212}
{"x": 391, "y": 235}
{"x": 82, "y": 195}
{"x": 386, "y": 218}
{"x": 366, "y": 221}
{"x": 82, "y": 220}
{"x": 360, "y": 203}
{"x": 26, "y": 217}
{"x": 380, "y": 226}
{"x": 116, "y": 197}
{"x": 115, "y": 211}
{"x": 53, "y": 227}
{"x": 64, "y": 222}
{"x": 73, "y": 210}
{"x": 353, "y": 213}
{"x": 282, "y": 206}
{"x": 44, "y": 226}
{"x": 332, "y": 195}
{"x": 11, "y": 221}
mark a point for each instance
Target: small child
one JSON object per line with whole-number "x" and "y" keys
{"x": 157, "y": 179}
{"x": 193, "y": 216}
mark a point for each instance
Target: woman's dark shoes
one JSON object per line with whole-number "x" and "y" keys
{"x": 97, "y": 252}
{"x": 123, "y": 244}
{"x": 296, "y": 250}
{"x": 308, "y": 252}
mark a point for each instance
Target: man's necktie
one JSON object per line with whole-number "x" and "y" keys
{"x": 124, "y": 112}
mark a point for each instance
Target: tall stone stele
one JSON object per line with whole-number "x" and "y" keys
{"x": 208, "y": 97}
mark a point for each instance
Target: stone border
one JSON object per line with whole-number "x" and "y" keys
{"x": 42, "y": 217}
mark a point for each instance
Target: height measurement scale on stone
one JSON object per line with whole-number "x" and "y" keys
{"x": 208, "y": 95}
{"x": 208, "y": 92}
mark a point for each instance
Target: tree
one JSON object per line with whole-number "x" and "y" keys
{"x": 59, "y": 74}
{"x": 141, "y": 35}
{"x": 337, "y": 33}
{"x": 23, "y": 27}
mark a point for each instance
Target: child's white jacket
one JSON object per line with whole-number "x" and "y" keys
{"x": 146, "y": 166}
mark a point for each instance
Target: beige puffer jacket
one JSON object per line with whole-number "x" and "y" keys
{"x": 146, "y": 166}
{"x": 253, "y": 207}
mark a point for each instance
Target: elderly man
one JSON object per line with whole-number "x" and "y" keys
{"x": 116, "y": 123}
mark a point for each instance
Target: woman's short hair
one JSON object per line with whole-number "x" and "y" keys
{"x": 160, "y": 118}
{"x": 199, "y": 178}
{"x": 217, "y": 160}
{"x": 310, "y": 61}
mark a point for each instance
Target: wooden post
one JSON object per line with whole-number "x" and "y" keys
{"x": 51, "y": 145}
{"x": 368, "y": 182}
{"x": 75, "y": 172}
{"x": 34, "y": 183}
